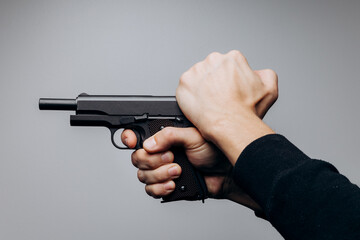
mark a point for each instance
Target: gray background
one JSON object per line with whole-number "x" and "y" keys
{"x": 58, "y": 182}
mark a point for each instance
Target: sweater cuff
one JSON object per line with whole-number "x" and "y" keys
{"x": 262, "y": 163}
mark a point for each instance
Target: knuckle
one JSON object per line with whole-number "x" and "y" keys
{"x": 141, "y": 176}
{"x": 138, "y": 158}
{"x": 198, "y": 67}
{"x": 153, "y": 191}
{"x": 184, "y": 78}
{"x": 145, "y": 161}
{"x": 275, "y": 91}
{"x": 168, "y": 133}
{"x": 237, "y": 55}
{"x": 241, "y": 58}
{"x": 148, "y": 163}
{"x": 235, "y": 52}
{"x": 272, "y": 75}
{"x": 134, "y": 159}
{"x": 148, "y": 190}
{"x": 213, "y": 56}
{"x": 273, "y": 82}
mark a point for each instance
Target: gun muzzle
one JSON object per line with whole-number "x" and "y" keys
{"x": 57, "y": 104}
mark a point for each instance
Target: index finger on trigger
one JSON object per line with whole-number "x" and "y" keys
{"x": 129, "y": 138}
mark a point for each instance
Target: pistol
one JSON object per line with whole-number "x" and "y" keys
{"x": 145, "y": 115}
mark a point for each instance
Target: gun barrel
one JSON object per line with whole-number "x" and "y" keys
{"x": 57, "y": 104}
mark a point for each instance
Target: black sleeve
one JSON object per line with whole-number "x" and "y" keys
{"x": 302, "y": 198}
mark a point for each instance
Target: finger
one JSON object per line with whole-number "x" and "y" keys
{"x": 159, "y": 175}
{"x": 270, "y": 81}
{"x": 145, "y": 161}
{"x": 160, "y": 189}
{"x": 129, "y": 138}
{"x": 171, "y": 136}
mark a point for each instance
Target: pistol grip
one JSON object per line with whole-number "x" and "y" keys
{"x": 191, "y": 184}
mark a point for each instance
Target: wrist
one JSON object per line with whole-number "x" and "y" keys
{"x": 231, "y": 135}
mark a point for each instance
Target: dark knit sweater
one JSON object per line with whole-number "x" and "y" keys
{"x": 303, "y": 198}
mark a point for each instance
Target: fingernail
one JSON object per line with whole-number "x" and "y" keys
{"x": 149, "y": 143}
{"x": 173, "y": 171}
{"x": 169, "y": 185}
{"x": 126, "y": 141}
{"x": 166, "y": 157}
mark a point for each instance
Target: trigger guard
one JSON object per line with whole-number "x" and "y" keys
{"x": 138, "y": 138}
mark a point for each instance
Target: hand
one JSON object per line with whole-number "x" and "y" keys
{"x": 225, "y": 99}
{"x": 155, "y": 163}
{"x": 157, "y": 170}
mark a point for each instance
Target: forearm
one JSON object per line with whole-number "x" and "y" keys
{"x": 303, "y": 198}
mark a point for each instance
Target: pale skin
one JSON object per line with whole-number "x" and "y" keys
{"x": 225, "y": 100}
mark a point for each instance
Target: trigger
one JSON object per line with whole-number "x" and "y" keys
{"x": 138, "y": 139}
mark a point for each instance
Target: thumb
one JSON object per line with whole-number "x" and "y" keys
{"x": 163, "y": 140}
{"x": 270, "y": 81}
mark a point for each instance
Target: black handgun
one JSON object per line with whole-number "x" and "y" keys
{"x": 145, "y": 115}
